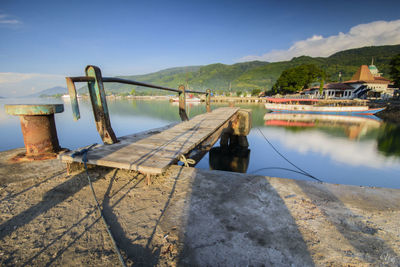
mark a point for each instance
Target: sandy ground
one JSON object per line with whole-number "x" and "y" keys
{"x": 191, "y": 217}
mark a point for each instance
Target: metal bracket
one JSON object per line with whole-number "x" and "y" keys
{"x": 98, "y": 99}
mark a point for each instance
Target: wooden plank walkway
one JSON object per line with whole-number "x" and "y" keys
{"x": 156, "y": 151}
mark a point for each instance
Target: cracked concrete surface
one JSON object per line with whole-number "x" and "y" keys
{"x": 191, "y": 217}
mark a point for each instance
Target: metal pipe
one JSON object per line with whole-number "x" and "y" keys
{"x": 131, "y": 82}
{"x": 125, "y": 81}
{"x": 82, "y": 79}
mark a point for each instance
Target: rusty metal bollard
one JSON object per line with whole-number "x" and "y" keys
{"x": 39, "y": 130}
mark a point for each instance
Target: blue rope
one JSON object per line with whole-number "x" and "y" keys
{"x": 83, "y": 153}
{"x": 276, "y": 150}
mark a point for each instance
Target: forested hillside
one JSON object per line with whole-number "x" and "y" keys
{"x": 257, "y": 74}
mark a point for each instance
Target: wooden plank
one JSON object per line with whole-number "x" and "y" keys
{"x": 154, "y": 151}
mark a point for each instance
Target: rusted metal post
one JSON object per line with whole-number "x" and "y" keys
{"x": 99, "y": 105}
{"x": 182, "y": 103}
{"x": 38, "y": 128}
{"x": 208, "y": 100}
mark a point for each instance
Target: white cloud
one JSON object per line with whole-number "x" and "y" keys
{"x": 369, "y": 34}
{"x": 20, "y": 84}
{"x": 338, "y": 149}
{"x": 7, "y": 20}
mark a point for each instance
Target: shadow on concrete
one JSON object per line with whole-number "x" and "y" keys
{"x": 141, "y": 256}
{"x": 11, "y": 196}
{"x": 59, "y": 194}
{"x": 353, "y": 227}
{"x": 52, "y": 198}
{"x": 236, "y": 220}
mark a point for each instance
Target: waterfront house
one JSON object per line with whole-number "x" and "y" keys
{"x": 331, "y": 90}
{"x": 367, "y": 81}
{"x": 377, "y": 85}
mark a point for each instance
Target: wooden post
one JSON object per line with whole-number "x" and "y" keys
{"x": 182, "y": 103}
{"x": 99, "y": 105}
{"x": 73, "y": 98}
{"x": 208, "y": 100}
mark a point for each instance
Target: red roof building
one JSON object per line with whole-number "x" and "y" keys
{"x": 362, "y": 80}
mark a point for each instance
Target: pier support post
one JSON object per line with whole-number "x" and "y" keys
{"x": 99, "y": 105}
{"x": 208, "y": 100}
{"x": 233, "y": 153}
{"x": 242, "y": 125}
{"x": 148, "y": 179}
{"x": 182, "y": 103}
{"x": 236, "y": 135}
{"x": 39, "y": 129}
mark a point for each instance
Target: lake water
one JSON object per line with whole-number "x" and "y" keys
{"x": 342, "y": 150}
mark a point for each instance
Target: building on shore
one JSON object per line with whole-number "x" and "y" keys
{"x": 366, "y": 82}
{"x": 331, "y": 90}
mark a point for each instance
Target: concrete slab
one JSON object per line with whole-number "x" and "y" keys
{"x": 237, "y": 219}
{"x": 194, "y": 217}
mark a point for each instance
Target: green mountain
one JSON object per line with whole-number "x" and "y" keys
{"x": 58, "y": 90}
{"x": 258, "y": 74}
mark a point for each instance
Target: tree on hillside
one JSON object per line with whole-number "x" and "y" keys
{"x": 255, "y": 92}
{"x": 298, "y": 78}
{"x": 395, "y": 70}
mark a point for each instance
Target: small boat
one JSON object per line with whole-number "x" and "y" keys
{"x": 310, "y": 106}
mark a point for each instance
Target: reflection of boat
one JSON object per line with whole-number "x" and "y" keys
{"x": 67, "y": 97}
{"x": 312, "y": 106}
{"x": 189, "y": 104}
{"x": 189, "y": 99}
{"x": 354, "y": 126}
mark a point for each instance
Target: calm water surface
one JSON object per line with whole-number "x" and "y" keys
{"x": 342, "y": 150}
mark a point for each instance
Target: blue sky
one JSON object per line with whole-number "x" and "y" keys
{"x": 43, "y": 41}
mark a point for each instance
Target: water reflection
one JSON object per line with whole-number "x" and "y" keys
{"x": 389, "y": 140}
{"x": 349, "y": 150}
{"x": 354, "y": 127}
{"x": 228, "y": 159}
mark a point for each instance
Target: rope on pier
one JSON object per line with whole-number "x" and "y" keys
{"x": 280, "y": 154}
{"x": 186, "y": 161}
{"x": 83, "y": 153}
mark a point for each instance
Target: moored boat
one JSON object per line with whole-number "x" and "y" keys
{"x": 311, "y": 106}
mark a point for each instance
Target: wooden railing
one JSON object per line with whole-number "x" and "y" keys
{"x": 97, "y": 94}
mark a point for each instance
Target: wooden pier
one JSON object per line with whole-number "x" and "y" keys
{"x": 153, "y": 153}
{"x": 156, "y": 151}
